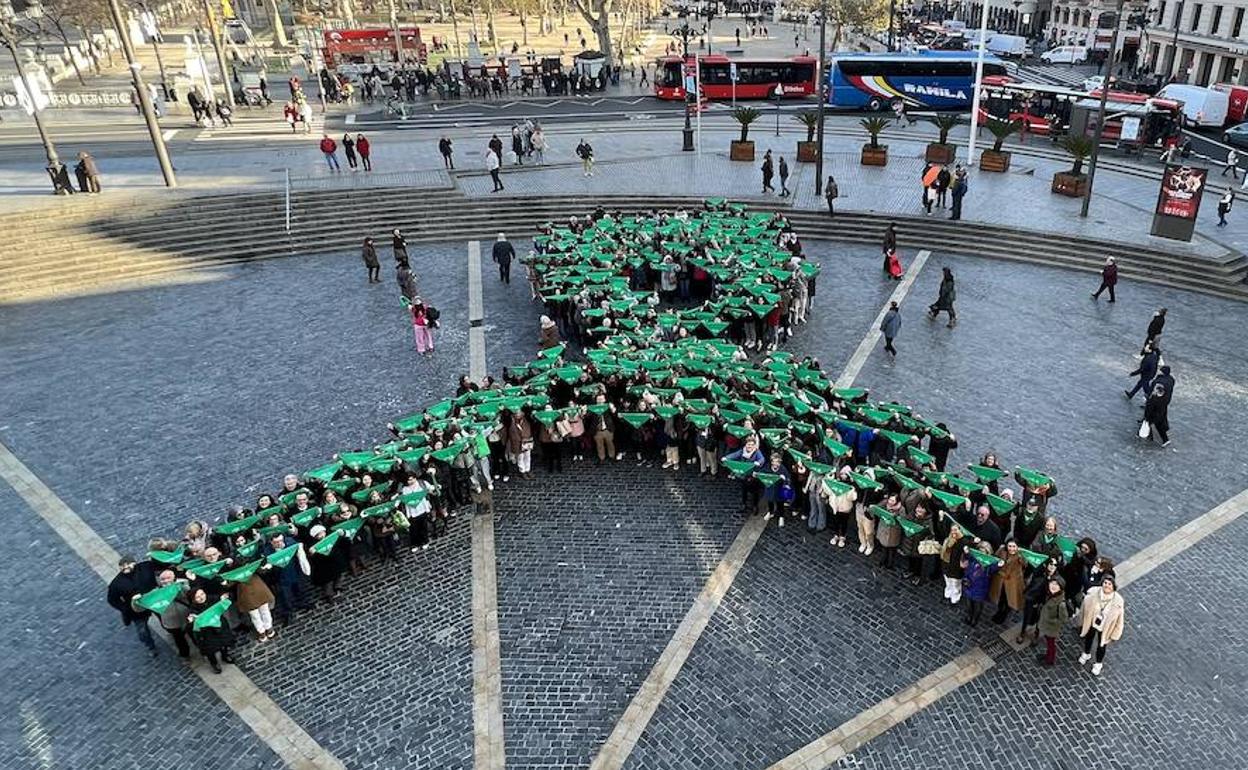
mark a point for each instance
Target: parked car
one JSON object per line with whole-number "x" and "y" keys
{"x": 1065, "y": 54}
{"x": 1236, "y": 136}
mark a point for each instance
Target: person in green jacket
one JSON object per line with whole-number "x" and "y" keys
{"x": 1053, "y": 617}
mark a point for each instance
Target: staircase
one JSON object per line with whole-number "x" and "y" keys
{"x": 105, "y": 244}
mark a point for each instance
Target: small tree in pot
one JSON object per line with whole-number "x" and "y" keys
{"x": 941, "y": 151}
{"x": 743, "y": 149}
{"x": 808, "y": 151}
{"x": 874, "y": 153}
{"x": 1074, "y": 183}
{"x": 996, "y": 159}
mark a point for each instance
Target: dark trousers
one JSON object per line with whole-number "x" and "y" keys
{"x": 494, "y": 176}
{"x": 448, "y": 161}
{"x": 504, "y": 271}
{"x": 1093, "y": 638}
{"x": 418, "y": 533}
{"x": 1003, "y": 611}
{"x": 1234, "y": 169}
{"x": 144, "y": 633}
{"x": 290, "y": 597}
{"x": 974, "y": 609}
{"x": 1103, "y": 287}
{"x": 553, "y": 452}
{"x": 831, "y": 207}
{"x": 957, "y": 207}
{"x": 888, "y": 345}
{"x": 374, "y": 274}
{"x": 179, "y": 641}
{"x": 840, "y": 523}
{"x": 368, "y": 162}
{"x": 1050, "y": 650}
{"x": 749, "y": 496}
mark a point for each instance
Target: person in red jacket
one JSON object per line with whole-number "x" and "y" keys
{"x": 1109, "y": 278}
{"x": 365, "y": 150}
{"x": 330, "y": 148}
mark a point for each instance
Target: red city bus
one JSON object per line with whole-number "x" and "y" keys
{"x": 1043, "y": 108}
{"x": 756, "y": 78}
{"x": 366, "y": 46}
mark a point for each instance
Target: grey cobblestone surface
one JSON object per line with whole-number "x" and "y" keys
{"x": 79, "y": 689}
{"x": 596, "y": 569}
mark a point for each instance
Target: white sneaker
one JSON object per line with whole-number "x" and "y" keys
{"x": 1096, "y": 668}
{"x": 1084, "y": 658}
{"x": 782, "y": 521}
{"x": 870, "y": 550}
{"x": 862, "y": 547}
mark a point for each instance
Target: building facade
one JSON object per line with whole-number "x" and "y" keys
{"x": 1090, "y": 23}
{"x": 1028, "y": 18}
{"x": 1198, "y": 42}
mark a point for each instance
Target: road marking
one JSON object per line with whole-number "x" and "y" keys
{"x": 487, "y": 677}
{"x": 869, "y": 342}
{"x": 628, "y": 730}
{"x": 633, "y": 723}
{"x": 168, "y": 135}
{"x": 271, "y": 725}
{"x": 875, "y": 721}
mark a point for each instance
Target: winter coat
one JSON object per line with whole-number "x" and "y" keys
{"x": 891, "y": 323}
{"x": 772, "y": 494}
{"x": 910, "y": 543}
{"x": 212, "y": 639}
{"x": 1109, "y": 275}
{"x": 951, "y": 556}
{"x": 519, "y": 433}
{"x": 1009, "y": 579}
{"x": 1053, "y": 616}
{"x": 1147, "y": 369}
{"x": 948, "y": 293}
{"x": 124, "y": 587}
{"x": 549, "y": 337}
{"x": 369, "y": 254}
{"x": 503, "y": 252}
{"x": 1156, "y": 412}
{"x": 253, "y": 595}
{"x": 977, "y": 579}
{"x": 1114, "y": 616}
{"x": 889, "y": 535}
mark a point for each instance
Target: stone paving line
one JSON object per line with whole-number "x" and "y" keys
{"x": 256, "y": 709}
{"x": 848, "y": 737}
{"x": 487, "y": 677}
{"x": 641, "y": 709}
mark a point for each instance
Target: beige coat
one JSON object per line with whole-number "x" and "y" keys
{"x": 253, "y": 595}
{"x": 1115, "y": 615}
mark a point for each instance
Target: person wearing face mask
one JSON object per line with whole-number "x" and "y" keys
{"x": 1102, "y": 618}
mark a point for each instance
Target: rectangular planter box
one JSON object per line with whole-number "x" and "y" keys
{"x": 877, "y": 156}
{"x": 741, "y": 151}
{"x": 807, "y": 152}
{"x": 940, "y": 153}
{"x": 990, "y": 160}
{"x": 1070, "y": 185}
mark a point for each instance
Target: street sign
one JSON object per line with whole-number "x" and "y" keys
{"x": 732, "y": 71}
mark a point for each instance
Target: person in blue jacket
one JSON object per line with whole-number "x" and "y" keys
{"x": 749, "y": 452}
{"x": 976, "y": 581}
{"x": 779, "y": 496}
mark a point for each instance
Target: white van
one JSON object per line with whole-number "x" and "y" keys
{"x": 1066, "y": 54}
{"x": 1201, "y": 106}
{"x": 1008, "y": 45}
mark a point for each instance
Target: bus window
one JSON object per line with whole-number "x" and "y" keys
{"x": 671, "y": 75}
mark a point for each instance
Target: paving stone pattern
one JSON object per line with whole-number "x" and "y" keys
{"x": 80, "y": 691}
{"x": 146, "y": 409}
{"x": 596, "y": 568}
{"x": 383, "y": 678}
{"x": 1172, "y": 694}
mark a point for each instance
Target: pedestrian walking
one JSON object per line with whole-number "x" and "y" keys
{"x": 1164, "y": 380}
{"x": 496, "y": 147}
{"x": 223, "y": 111}
{"x": 890, "y": 326}
{"x": 1232, "y": 163}
{"x": 1155, "y": 327}
{"x": 768, "y": 172}
{"x": 132, "y": 581}
{"x": 892, "y": 266}
{"x": 1224, "y": 205}
{"x": 958, "y": 191}
{"x": 399, "y": 243}
{"x": 365, "y": 148}
{"x": 945, "y": 299}
{"x": 890, "y": 242}
{"x": 517, "y": 145}
{"x": 503, "y": 254}
{"x": 369, "y": 254}
{"x": 90, "y": 171}
{"x": 737, "y": 32}
{"x": 1109, "y": 278}
{"x": 1102, "y": 618}
{"x": 492, "y": 164}
{"x": 899, "y": 113}
{"x": 424, "y": 321}
{"x": 407, "y": 282}
{"x": 348, "y": 149}
{"x": 305, "y": 115}
{"x": 1156, "y": 423}
{"x": 585, "y": 152}
{"x": 784, "y": 178}
{"x": 831, "y": 193}
{"x": 447, "y": 149}
{"x": 329, "y": 148}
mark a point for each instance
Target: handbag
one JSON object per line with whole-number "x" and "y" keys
{"x": 1145, "y": 429}
{"x": 929, "y": 547}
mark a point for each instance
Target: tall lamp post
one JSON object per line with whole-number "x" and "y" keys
{"x": 151, "y": 27}
{"x": 1100, "y": 111}
{"x": 892, "y": 13}
{"x": 145, "y": 99}
{"x": 821, "y": 79}
{"x": 215, "y": 32}
{"x": 683, "y": 33}
{"x": 9, "y": 30}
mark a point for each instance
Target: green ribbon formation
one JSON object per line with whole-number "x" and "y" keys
{"x": 696, "y": 375}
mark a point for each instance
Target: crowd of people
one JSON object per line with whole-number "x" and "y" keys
{"x": 672, "y": 386}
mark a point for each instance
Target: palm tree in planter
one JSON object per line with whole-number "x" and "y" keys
{"x": 808, "y": 151}
{"x": 941, "y": 151}
{"x": 744, "y": 148}
{"x": 1074, "y": 183}
{"x": 874, "y": 154}
{"x": 996, "y": 159}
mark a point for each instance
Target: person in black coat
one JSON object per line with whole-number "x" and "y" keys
{"x": 1155, "y": 326}
{"x": 1146, "y": 371}
{"x": 1165, "y": 381}
{"x": 131, "y": 582}
{"x": 940, "y": 446}
{"x": 369, "y": 255}
{"x": 1156, "y": 414}
{"x": 407, "y": 282}
{"x": 327, "y": 568}
{"x": 211, "y": 640}
{"x": 985, "y": 529}
{"x": 448, "y": 152}
{"x": 503, "y": 253}
{"x": 399, "y": 243}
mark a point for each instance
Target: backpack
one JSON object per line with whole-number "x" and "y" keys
{"x": 432, "y": 315}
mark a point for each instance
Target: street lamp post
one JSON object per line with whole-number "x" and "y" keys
{"x": 779, "y": 93}
{"x": 1174, "y": 46}
{"x": 892, "y": 12}
{"x": 683, "y": 33}
{"x": 821, "y": 78}
{"x": 8, "y": 35}
{"x": 145, "y": 99}
{"x": 157, "y": 39}
{"x": 1100, "y": 112}
{"x": 226, "y": 82}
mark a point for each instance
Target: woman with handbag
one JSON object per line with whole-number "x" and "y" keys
{"x": 1101, "y": 621}
{"x": 918, "y": 547}
{"x": 842, "y": 505}
{"x": 951, "y": 557}
{"x": 520, "y": 443}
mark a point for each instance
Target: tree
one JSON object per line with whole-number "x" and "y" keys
{"x": 65, "y": 16}
{"x": 598, "y": 14}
